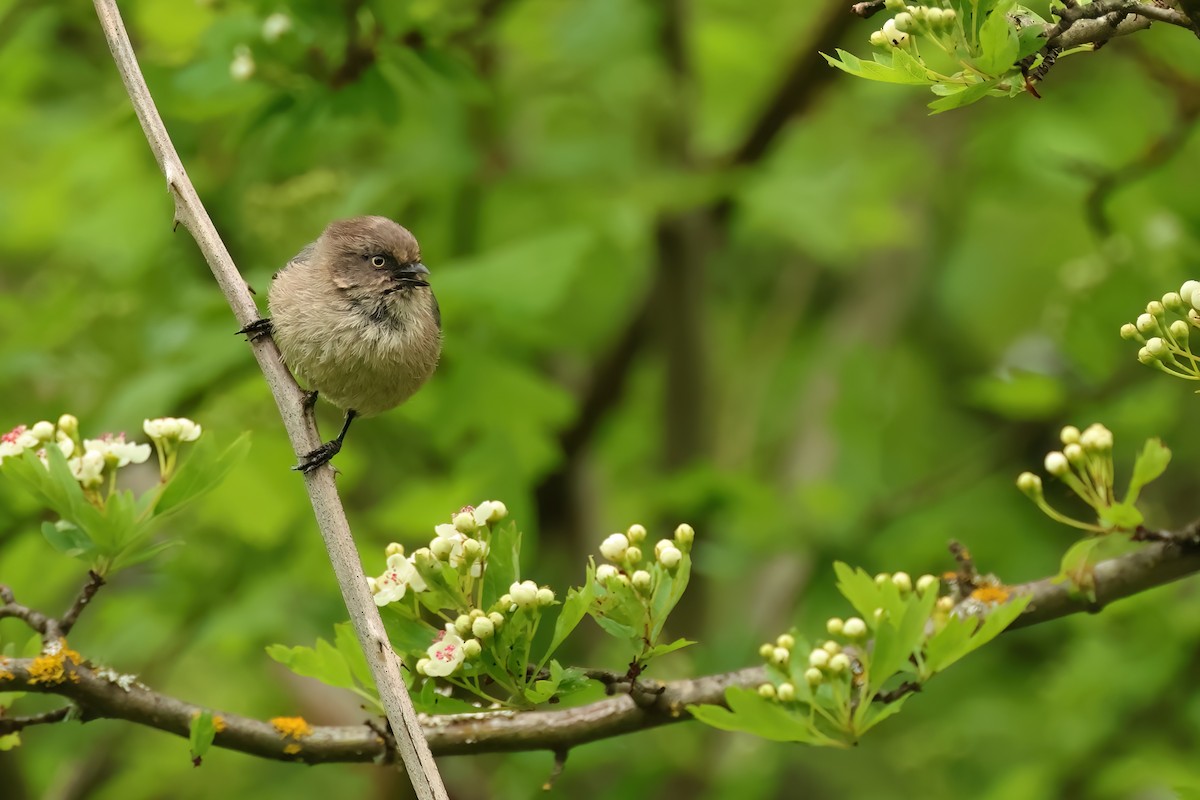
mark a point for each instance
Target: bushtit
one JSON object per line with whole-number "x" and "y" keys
{"x": 355, "y": 319}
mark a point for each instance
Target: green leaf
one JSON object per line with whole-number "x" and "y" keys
{"x": 1077, "y": 565}
{"x": 878, "y": 712}
{"x": 859, "y": 588}
{"x": 572, "y": 612}
{"x": 201, "y": 733}
{"x": 347, "y": 644}
{"x": 874, "y": 70}
{"x": 503, "y": 562}
{"x": 9, "y": 741}
{"x": 749, "y": 712}
{"x": 968, "y": 95}
{"x": 1121, "y": 515}
{"x": 1151, "y": 463}
{"x": 324, "y": 662}
{"x": 998, "y": 42}
{"x": 68, "y": 539}
{"x": 614, "y": 628}
{"x": 201, "y": 471}
{"x": 663, "y": 649}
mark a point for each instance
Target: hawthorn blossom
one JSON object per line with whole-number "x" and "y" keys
{"x": 445, "y": 654}
{"x": 395, "y": 580}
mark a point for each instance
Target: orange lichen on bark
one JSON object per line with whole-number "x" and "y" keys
{"x": 51, "y": 666}
{"x": 990, "y": 594}
{"x": 294, "y": 727}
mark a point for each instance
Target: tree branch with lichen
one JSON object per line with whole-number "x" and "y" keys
{"x": 102, "y": 694}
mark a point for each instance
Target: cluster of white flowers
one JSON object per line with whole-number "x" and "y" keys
{"x": 912, "y": 19}
{"x": 1164, "y": 331}
{"x": 93, "y": 461}
{"x": 628, "y": 563}
{"x": 39, "y": 436}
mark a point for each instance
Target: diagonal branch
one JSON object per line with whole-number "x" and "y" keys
{"x": 331, "y": 517}
{"x": 102, "y": 694}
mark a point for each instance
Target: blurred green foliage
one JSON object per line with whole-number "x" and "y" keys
{"x": 842, "y": 339}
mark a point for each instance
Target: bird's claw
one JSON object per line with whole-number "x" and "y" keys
{"x": 256, "y": 330}
{"x": 319, "y": 457}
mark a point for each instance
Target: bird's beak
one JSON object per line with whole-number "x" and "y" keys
{"x": 412, "y": 274}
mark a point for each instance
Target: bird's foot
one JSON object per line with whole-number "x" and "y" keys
{"x": 319, "y": 457}
{"x": 256, "y": 330}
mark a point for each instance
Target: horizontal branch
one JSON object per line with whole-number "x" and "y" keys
{"x": 99, "y": 694}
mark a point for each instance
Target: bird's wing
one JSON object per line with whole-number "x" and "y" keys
{"x": 300, "y": 258}
{"x": 437, "y": 310}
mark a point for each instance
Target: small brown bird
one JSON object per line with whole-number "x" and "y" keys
{"x": 355, "y": 319}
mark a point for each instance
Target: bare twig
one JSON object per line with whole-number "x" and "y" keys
{"x": 11, "y": 608}
{"x": 85, "y": 596}
{"x": 302, "y": 432}
{"x": 14, "y": 724}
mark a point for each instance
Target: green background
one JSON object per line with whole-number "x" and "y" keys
{"x": 836, "y": 337}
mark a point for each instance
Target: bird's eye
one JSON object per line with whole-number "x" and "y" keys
{"x": 378, "y": 261}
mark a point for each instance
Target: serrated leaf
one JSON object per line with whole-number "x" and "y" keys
{"x": 1077, "y": 566}
{"x": 873, "y": 70}
{"x": 859, "y": 588}
{"x": 749, "y": 712}
{"x": 998, "y": 43}
{"x": 68, "y": 539}
{"x": 323, "y": 662}
{"x": 202, "y": 470}
{"x": 878, "y": 712}
{"x": 1122, "y": 515}
{"x": 614, "y": 628}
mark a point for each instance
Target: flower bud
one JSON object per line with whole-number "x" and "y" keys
{"x": 786, "y": 692}
{"x": 505, "y": 600}
{"x": 471, "y": 648}
{"x": 684, "y": 535}
{"x": 489, "y": 512}
{"x": 813, "y": 677}
{"x": 877, "y": 39}
{"x": 1129, "y": 331}
{"x": 482, "y": 628}
{"x": 882, "y": 578}
{"x": 545, "y": 596}
{"x": 1146, "y": 357}
{"x": 43, "y": 430}
{"x": 766, "y": 650}
{"x": 840, "y": 662}
{"x": 780, "y": 656}
{"x": 524, "y": 594}
{"x": 1074, "y": 454}
{"x": 476, "y": 613}
{"x": 496, "y": 618}
{"x": 1180, "y": 330}
{"x": 786, "y": 641}
{"x": 949, "y": 15}
{"x": 641, "y": 581}
{"x": 670, "y": 557}
{"x": 614, "y": 547}
{"x": 464, "y": 522}
{"x": 69, "y": 425}
{"x": 879, "y": 615}
{"x": 462, "y": 624}
{"x": 275, "y": 26}
{"x": 441, "y": 547}
{"x": 903, "y": 21}
{"x": 1173, "y": 301}
{"x": 766, "y": 690}
{"x": 1157, "y": 347}
{"x": 1030, "y": 485}
{"x": 633, "y": 554}
{"x": 818, "y": 658}
{"x": 421, "y": 665}
{"x": 393, "y": 549}
{"x": 945, "y": 604}
{"x": 834, "y": 626}
{"x": 902, "y": 581}
{"x": 373, "y": 584}
{"x": 925, "y": 583}
{"x": 854, "y": 628}
{"x": 1096, "y": 439}
{"x": 605, "y": 573}
{"x": 471, "y": 549}
{"x": 1188, "y": 289}
{"x": 831, "y": 647}
{"x": 1056, "y": 463}
{"x": 1069, "y": 434}
{"x": 635, "y": 533}
{"x": 422, "y": 557}
{"x": 1155, "y": 308}
{"x": 894, "y": 5}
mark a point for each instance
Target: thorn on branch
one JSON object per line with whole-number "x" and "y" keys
{"x": 560, "y": 761}
{"x": 15, "y": 724}
{"x": 906, "y": 688}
